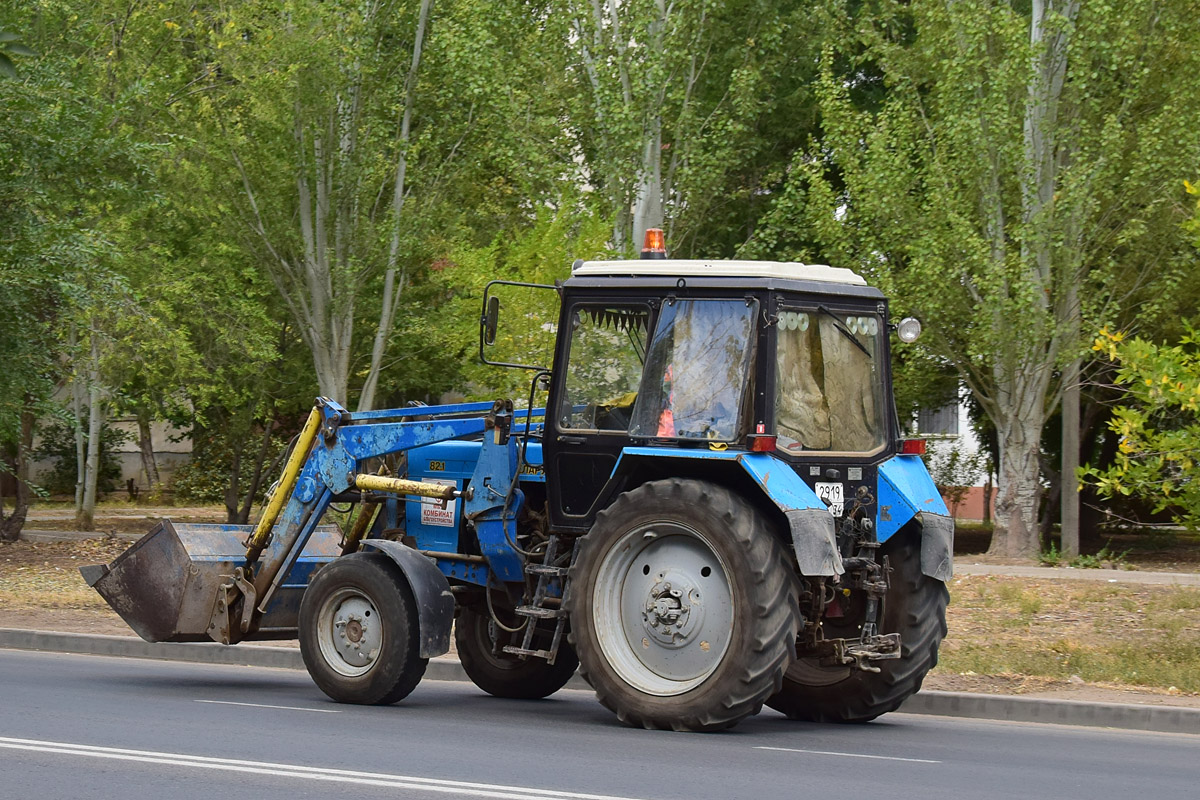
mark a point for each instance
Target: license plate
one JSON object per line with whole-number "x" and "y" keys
{"x": 833, "y": 494}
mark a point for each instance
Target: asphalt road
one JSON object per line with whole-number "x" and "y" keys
{"x": 94, "y": 727}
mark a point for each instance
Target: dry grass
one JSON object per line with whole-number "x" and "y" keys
{"x": 46, "y": 576}
{"x": 1123, "y": 634}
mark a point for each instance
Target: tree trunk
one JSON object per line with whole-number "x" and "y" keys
{"x": 85, "y": 519}
{"x": 393, "y": 287}
{"x": 1016, "y": 528}
{"x": 243, "y": 515}
{"x": 10, "y": 526}
{"x": 1069, "y": 497}
{"x": 648, "y": 205}
{"x": 987, "y": 500}
{"x": 1023, "y": 372}
{"x": 146, "y": 448}
{"x": 231, "y": 487}
{"x": 77, "y": 419}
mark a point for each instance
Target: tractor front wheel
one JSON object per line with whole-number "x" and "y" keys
{"x": 683, "y": 607}
{"x": 358, "y": 631}
{"x": 479, "y": 642}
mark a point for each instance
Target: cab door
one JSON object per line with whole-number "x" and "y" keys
{"x": 602, "y": 353}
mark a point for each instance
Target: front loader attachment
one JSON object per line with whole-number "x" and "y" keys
{"x": 167, "y": 585}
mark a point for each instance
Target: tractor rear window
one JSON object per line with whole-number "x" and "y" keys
{"x": 604, "y": 366}
{"x": 828, "y": 388}
{"x": 697, "y": 370}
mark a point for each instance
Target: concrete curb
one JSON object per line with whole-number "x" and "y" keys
{"x": 1129, "y": 716}
{"x": 1164, "y": 719}
{"x": 962, "y": 569}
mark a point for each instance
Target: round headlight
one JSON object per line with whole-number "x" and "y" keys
{"x": 909, "y": 329}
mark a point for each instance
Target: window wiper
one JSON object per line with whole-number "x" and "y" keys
{"x": 841, "y": 326}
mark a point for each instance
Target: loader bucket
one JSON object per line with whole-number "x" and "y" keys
{"x": 165, "y": 585}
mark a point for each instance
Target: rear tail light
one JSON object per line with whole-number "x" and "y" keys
{"x": 912, "y": 447}
{"x": 759, "y": 443}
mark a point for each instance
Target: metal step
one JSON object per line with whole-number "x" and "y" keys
{"x": 539, "y": 612}
{"x": 542, "y": 569}
{"x": 521, "y": 651}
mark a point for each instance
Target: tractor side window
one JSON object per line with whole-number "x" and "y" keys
{"x": 604, "y": 366}
{"x": 697, "y": 370}
{"x": 828, "y": 386}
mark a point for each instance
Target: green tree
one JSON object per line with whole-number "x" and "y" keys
{"x": 1010, "y": 184}
{"x": 679, "y": 108}
{"x": 357, "y": 134}
{"x": 1158, "y": 425}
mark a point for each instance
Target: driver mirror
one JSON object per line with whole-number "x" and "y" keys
{"x": 490, "y": 320}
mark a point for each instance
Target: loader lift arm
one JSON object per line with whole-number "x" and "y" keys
{"x": 225, "y": 598}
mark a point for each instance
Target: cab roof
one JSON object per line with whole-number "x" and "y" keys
{"x": 696, "y": 268}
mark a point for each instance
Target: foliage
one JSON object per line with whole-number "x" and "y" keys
{"x": 58, "y": 445}
{"x": 206, "y": 477}
{"x": 158, "y": 161}
{"x": 1005, "y": 177}
{"x": 439, "y": 330}
{"x": 955, "y": 469}
{"x": 1104, "y": 558}
{"x": 1158, "y": 454}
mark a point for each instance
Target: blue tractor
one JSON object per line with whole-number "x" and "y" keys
{"x": 714, "y": 510}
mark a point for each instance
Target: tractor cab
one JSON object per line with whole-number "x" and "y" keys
{"x": 722, "y": 357}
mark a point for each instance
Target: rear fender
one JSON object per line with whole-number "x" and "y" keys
{"x": 906, "y": 493}
{"x": 809, "y": 522}
{"x": 431, "y": 590}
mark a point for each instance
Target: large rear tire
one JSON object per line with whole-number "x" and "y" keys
{"x": 358, "y": 631}
{"x": 915, "y": 607}
{"x": 683, "y": 607}
{"x": 502, "y": 674}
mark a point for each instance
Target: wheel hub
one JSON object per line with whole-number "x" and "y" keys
{"x": 354, "y": 636}
{"x": 354, "y": 630}
{"x": 672, "y": 612}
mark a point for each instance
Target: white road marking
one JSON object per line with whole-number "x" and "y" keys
{"x": 459, "y": 788}
{"x": 849, "y": 755}
{"x": 264, "y": 705}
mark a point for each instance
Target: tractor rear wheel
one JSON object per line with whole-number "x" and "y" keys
{"x": 683, "y": 607}
{"x": 503, "y": 674}
{"x": 358, "y": 631}
{"x": 915, "y": 607}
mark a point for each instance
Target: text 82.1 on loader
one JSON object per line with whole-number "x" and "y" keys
{"x": 714, "y": 510}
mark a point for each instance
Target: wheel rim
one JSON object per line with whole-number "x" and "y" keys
{"x": 663, "y": 608}
{"x": 486, "y": 635}
{"x": 349, "y": 632}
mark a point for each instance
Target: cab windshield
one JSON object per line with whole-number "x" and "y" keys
{"x": 828, "y": 384}
{"x": 697, "y": 374}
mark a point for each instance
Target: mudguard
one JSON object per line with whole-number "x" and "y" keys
{"x": 814, "y": 535}
{"x": 431, "y": 590}
{"x": 812, "y": 527}
{"x": 907, "y": 492}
